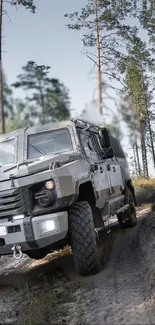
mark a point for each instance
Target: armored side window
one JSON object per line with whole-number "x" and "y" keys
{"x": 86, "y": 143}
{"x": 7, "y": 152}
{"x": 117, "y": 148}
{"x": 91, "y": 144}
{"x": 97, "y": 145}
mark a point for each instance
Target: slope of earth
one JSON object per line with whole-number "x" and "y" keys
{"x": 49, "y": 291}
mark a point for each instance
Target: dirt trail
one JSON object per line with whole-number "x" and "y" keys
{"x": 122, "y": 293}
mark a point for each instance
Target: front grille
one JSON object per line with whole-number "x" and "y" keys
{"x": 11, "y": 203}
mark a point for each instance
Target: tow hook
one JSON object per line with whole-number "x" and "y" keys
{"x": 17, "y": 253}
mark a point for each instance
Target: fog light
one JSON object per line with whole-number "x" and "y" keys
{"x": 50, "y": 185}
{"x": 2, "y": 231}
{"x": 49, "y": 225}
{"x": 18, "y": 217}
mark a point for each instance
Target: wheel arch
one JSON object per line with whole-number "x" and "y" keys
{"x": 86, "y": 192}
{"x": 128, "y": 184}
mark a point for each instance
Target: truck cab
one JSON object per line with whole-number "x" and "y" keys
{"x": 59, "y": 182}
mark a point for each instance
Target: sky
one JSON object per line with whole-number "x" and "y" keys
{"x": 44, "y": 38}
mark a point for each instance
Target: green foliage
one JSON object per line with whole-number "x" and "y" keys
{"x": 112, "y": 33}
{"x": 114, "y": 127}
{"x": 147, "y": 18}
{"x": 21, "y": 115}
{"x": 48, "y": 98}
{"x": 134, "y": 66}
{"x": 129, "y": 115}
{"x": 7, "y": 97}
{"x": 28, "y": 4}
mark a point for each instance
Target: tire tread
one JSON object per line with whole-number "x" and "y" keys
{"x": 83, "y": 238}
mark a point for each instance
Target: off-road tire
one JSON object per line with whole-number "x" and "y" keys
{"x": 130, "y": 213}
{"x": 82, "y": 238}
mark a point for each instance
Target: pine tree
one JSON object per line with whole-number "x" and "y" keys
{"x": 135, "y": 64}
{"x": 28, "y": 4}
{"x": 48, "y": 96}
{"x": 103, "y": 37}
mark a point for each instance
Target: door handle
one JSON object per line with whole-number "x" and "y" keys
{"x": 93, "y": 167}
{"x": 108, "y": 167}
{"x": 101, "y": 170}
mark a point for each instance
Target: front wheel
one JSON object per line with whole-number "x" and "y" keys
{"x": 128, "y": 218}
{"x": 82, "y": 238}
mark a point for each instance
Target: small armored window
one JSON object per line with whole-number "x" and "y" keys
{"x": 7, "y": 152}
{"x": 117, "y": 148}
{"x": 86, "y": 142}
{"x": 97, "y": 145}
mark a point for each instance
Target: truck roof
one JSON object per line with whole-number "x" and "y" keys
{"x": 49, "y": 126}
{"x": 37, "y": 128}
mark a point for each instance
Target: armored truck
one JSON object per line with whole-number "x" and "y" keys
{"x": 59, "y": 184}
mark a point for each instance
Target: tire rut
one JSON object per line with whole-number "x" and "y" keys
{"x": 123, "y": 292}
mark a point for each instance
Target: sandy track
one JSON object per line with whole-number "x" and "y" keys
{"x": 122, "y": 293}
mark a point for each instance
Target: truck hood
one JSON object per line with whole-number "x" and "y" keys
{"x": 36, "y": 166}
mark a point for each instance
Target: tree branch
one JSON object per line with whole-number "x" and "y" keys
{"x": 105, "y": 36}
{"x": 89, "y": 57}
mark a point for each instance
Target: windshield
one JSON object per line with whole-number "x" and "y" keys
{"x": 7, "y": 152}
{"x": 49, "y": 143}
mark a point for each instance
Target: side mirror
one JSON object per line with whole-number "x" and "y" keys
{"x": 105, "y": 143}
{"x": 105, "y": 136}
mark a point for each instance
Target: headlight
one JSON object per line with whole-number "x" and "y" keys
{"x": 50, "y": 185}
{"x": 44, "y": 198}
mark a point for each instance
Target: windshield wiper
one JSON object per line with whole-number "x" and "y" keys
{"x": 18, "y": 165}
{"x": 37, "y": 149}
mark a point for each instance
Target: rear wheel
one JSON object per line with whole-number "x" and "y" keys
{"x": 82, "y": 238}
{"x": 128, "y": 218}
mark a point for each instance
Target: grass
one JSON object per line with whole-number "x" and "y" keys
{"x": 141, "y": 182}
{"x": 145, "y": 190}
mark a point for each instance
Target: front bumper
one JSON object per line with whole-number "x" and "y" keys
{"x": 31, "y": 232}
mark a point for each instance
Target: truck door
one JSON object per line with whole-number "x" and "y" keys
{"x": 115, "y": 178}
{"x": 99, "y": 172}
{"x": 112, "y": 149}
{"x": 114, "y": 167}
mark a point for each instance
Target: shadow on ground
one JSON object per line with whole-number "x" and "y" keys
{"x": 46, "y": 269}
{"x": 60, "y": 261}
{"x": 45, "y": 291}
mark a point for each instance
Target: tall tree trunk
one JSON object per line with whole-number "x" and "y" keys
{"x": 143, "y": 147}
{"x": 151, "y": 139}
{"x": 134, "y": 118}
{"x": 135, "y": 161}
{"x": 148, "y": 120}
{"x": 98, "y": 59}
{"x": 138, "y": 161}
{"x": 1, "y": 75}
